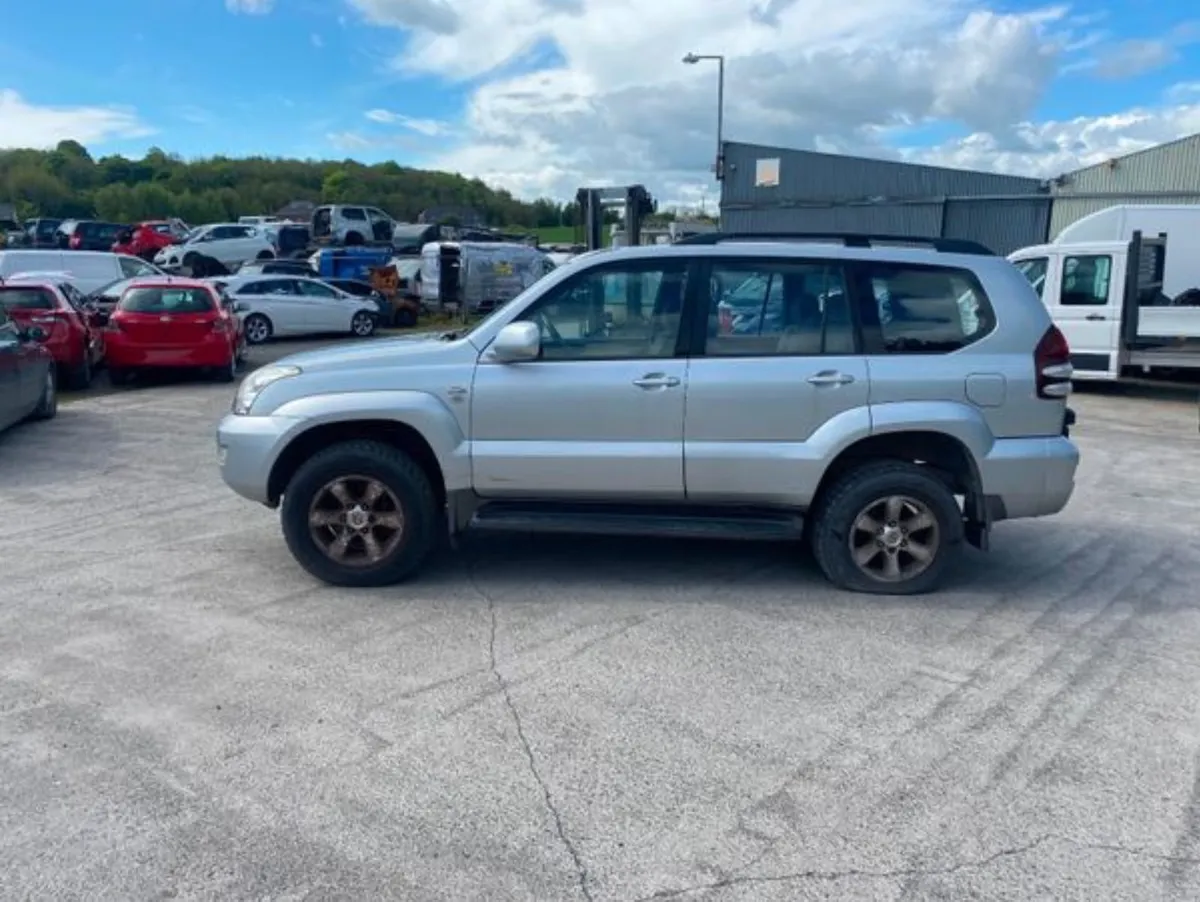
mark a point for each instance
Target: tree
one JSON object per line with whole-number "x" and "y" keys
{"x": 67, "y": 181}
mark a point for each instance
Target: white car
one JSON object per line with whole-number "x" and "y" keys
{"x": 88, "y": 270}
{"x": 277, "y": 305}
{"x": 231, "y": 243}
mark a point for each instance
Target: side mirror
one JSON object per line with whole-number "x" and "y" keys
{"x": 517, "y": 342}
{"x": 35, "y": 333}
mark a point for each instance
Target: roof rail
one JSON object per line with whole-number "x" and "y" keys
{"x": 849, "y": 239}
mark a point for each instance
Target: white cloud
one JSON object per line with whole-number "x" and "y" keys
{"x": 25, "y": 125}
{"x": 250, "y": 7}
{"x": 431, "y": 128}
{"x": 615, "y": 104}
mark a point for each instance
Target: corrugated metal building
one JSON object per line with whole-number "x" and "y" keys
{"x": 771, "y": 189}
{"x": 1166, "y": 174}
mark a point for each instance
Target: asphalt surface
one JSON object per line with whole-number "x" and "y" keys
{"x": 185, "y": 715}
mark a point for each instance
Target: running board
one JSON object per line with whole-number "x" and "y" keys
{"x": 668, "y": 521}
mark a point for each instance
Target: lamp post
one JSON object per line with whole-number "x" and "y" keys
{"x": 691, "y": 59}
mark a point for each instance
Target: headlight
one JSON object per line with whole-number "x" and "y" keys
{"x": 257, "y": 382}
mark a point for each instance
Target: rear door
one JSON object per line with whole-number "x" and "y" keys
{"x": 277, "y": 300}
{"x": 761, "y": 385}
{"x": 1083, "y": 293}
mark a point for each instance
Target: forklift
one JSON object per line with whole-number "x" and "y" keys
{"x": 593, "y": 202}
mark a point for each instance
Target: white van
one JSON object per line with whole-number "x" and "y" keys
{"x": 88, "y": 270}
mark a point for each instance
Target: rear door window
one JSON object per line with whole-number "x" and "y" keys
{"x": 928, "y": 309}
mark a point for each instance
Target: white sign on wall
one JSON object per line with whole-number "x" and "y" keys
{"x": 766, "y": 173}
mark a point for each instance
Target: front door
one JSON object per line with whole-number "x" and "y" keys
{"x": 600, "y": 414}
{"x": 1083, "y": 295}
{"x": 324, "y": 309}
{"x": 778, "y": 360}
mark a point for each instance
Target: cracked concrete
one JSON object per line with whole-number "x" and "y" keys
{"x": 184, "y": 714}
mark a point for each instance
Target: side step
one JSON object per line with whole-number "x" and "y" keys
{"x": 677, "y": 521}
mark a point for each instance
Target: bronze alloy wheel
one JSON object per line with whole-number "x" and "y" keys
{"x": 894, "y": 539}
{"x": 356, "y": 521}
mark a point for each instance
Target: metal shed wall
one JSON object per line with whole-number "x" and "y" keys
{"x": 1166, "y": 174}
{"x": 818, "y": 191}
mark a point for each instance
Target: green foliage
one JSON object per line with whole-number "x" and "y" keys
{"x": 68, "y": 182}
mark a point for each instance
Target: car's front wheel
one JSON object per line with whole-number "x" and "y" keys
{"x": 257, "y": 329}
{"x": 887, "y": 528}
{"x": 362, "y": 324}
{"x": 360, "y": 513}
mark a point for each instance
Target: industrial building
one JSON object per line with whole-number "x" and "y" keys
{"x": 771, "y": 189}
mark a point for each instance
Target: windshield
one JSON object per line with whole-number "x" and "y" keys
{"x": 167, "y": 300}
{"x": 113, "y": 289}
{"x": 26, "y": 299}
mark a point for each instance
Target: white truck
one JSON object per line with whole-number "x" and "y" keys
{"x": 1123, "y": 285}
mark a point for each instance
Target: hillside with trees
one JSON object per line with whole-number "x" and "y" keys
{"x": 68, "y": 182}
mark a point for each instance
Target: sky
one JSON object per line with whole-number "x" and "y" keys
{"x": 543, "y": 96}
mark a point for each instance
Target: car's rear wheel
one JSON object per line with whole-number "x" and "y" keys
{"x": 362, "y": 324}
{"x": 82, "y": 375}
{"x": 404, "y": 318}
{"x": 257, "y": 329}
{"x": 887, "y": 528}
{"x": 48, "y": 402}
{"x": 360, "y": 513}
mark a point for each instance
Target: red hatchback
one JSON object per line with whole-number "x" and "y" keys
{"x": 73, "y": 337}
{"x": 168, "y": 322}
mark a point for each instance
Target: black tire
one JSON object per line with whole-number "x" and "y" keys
{"x": 362, "y": 324}
{"x": 82, "y": 375}
{"x": 354, "y": 239}
{"x": 257, "y": 325}
{"x": 404, "y": 318}
{"x": 228, "y": 372}
{"x": 855, "y": 491}
{"x": 265, "y": 255}
{"x": 375, "y": 460}
{"x": 119, "y": 375}
{"x": 48, "y": 403}
{"x": 189, "y": 259}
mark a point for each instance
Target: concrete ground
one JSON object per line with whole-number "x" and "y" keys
{"x": 184, "y": 714}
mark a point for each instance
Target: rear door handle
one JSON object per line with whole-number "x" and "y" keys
{"x": 1095, "y": 318}
{"x": 656, "y": 380}
{"x": 830, "y": 377}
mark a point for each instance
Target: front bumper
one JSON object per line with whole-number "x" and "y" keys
{"x": 247, "y": 449}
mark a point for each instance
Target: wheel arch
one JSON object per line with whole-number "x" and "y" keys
{"x": 394, "y": 433}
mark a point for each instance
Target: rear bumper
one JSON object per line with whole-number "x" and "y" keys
{"x": 1029, "y": 477}
{"x": 121, "y": 352}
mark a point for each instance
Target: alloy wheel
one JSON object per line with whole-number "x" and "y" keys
{"x": 356, "y": 521}
{"x": 894, "y": 538}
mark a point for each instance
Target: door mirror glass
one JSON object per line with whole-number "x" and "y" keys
{"x": 517, "y": 342}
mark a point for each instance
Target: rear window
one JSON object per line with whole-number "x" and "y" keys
{"x": 26, "y": 299}
{"x": 167, "y": 300}
{"x": 929, "y": 309}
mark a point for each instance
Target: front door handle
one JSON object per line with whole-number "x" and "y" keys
{"x": 656, "y": 380}
{"x": 830, "y": 377}
{"x": 1095, "y": 318}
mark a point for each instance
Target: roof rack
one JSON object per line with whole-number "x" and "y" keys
{"x": 849, "y": 239}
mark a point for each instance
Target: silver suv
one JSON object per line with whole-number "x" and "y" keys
{"x": 881, "y": 402}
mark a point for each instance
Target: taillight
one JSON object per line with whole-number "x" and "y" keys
{"x": 1052, "y": 365}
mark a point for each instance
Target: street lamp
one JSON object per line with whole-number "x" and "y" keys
{"x": 691, "y": 59}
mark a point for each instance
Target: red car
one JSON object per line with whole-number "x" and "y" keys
{"x": 147, "y": 238}
{"x": 73, "y": 335}
{"x": 172, "y": 322}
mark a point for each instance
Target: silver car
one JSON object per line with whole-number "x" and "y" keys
{"x": 896, "y": 402}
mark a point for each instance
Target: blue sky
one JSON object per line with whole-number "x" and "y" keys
{"x": 310, "y": 78}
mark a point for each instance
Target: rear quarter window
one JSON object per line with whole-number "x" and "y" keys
{"x": 26, "y": 299}
{"x": 167, "y": 300}
{"x": 929, "y": 309}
